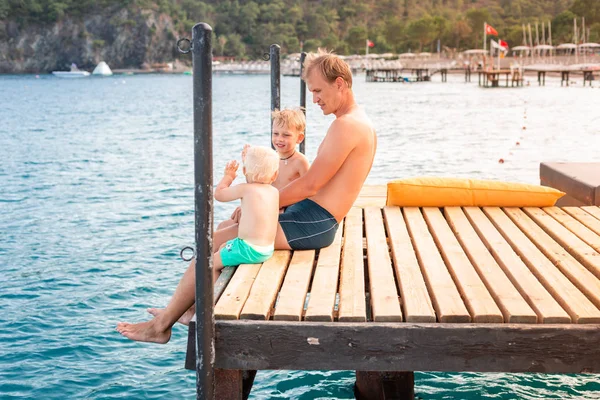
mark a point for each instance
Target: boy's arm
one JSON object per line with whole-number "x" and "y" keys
{"x": 224, "y": 192}
{"x": 303, "y": 166}
{"x": 333, "y": 152}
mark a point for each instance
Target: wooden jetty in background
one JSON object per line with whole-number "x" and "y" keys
{"x": 417, "y": 289}
{"x": 493, "y": 78}
{"x": 398, "y": 74}
{"x": 565, "y": 73}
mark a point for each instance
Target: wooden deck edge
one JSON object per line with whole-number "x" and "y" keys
{"x": 260, "y": 345}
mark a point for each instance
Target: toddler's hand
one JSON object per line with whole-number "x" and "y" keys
{"x": 244, "y": 152}
{"x": 231, "y": 169}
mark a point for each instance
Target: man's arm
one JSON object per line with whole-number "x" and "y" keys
{"x": 336, "y": 147}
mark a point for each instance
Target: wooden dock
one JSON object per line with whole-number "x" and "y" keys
{"x": 380, "y": 74}
{"x": 417, "y": 289}
{"x": 493, "y": 78}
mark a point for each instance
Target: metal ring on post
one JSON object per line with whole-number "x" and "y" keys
{"x": 266, "y": 56}
{"x": 187, "y": 248}
{"x": 181, "y": 50}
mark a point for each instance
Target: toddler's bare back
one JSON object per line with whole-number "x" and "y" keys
{"x": 260, "y": 213}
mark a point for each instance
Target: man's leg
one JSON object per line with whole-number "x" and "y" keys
{"x": 158, "y": 330}
{"x": 281, "y": 242}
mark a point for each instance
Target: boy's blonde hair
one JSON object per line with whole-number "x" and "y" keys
{"x": 329, "y": 64}
{"x": 261, "y": 164}
{"x": 292, "y": 118}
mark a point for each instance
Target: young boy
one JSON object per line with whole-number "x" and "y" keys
{"x": 288, "y": 132}
{"x": 260, "y": 205}
{"x": 259, "y": 209}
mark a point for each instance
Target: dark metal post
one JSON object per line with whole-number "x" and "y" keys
{"x": 275, "y": 82}
{"x": 203, "y": 186}
{"x": 303, "y": 99}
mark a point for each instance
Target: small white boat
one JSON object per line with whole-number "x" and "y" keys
{"x": 73, "y": 73}
{"x": 102, "y": 69}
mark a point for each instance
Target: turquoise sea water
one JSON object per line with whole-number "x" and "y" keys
{"x": 96, "y": 200}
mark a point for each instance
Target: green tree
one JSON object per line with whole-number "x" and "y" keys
{"x": 477, "y": 17}
{"x": 461, "y": 32}
{"x": 422, "y": 31}
{"x": 562, "y": 27}
{"x": 357, "y": 39}
{"x": 590, "y": 9}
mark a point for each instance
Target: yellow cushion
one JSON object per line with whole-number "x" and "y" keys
{"x": 442, "y": 192}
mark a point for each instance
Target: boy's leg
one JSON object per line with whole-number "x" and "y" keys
{"x": 158, "y": 329}
{"x": 217, "y": 264}
{"x": 189, "y": 314}
{"x": 225, "y": 224}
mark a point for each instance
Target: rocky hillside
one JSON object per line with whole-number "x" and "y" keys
{"x": 124, "y": 38}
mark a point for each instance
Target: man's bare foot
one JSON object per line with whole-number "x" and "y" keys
{"x": 144, "y": 332}
{"x": 185, "y": 318}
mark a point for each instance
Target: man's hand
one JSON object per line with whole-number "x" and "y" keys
{"x": 231, "y": 169}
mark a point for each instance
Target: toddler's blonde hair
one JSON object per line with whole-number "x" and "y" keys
{"x": 261, "y": 163}
{"x": 292, "y": 118}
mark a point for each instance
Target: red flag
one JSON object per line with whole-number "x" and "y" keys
{"x": 490, "y": 31}
{"x": 503, "y": 44}
{"x": 370, "y": 44}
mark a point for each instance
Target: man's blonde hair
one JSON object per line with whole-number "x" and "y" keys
{"x": 329, "y": 64}
{"x": 292, "y": 118}
{"x": 261, "y": 163}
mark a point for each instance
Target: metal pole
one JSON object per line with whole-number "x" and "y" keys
{"x": 303, "y": 99}
{"x": 203, "y": 186}
{"x": 275, "y": 82}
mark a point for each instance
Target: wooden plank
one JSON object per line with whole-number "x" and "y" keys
{"x": 385, "y": 305}
{"x": 584, "y": 233}
{"x": 514, "y": 308}
{"x": 407, "y": 346}
{"x": 563, "y": 240}
{"x": 292, "y": 296}
{"x": 546, "y": 308}
{"x": 581, "y": 277}
{"x": 352, "y": 306}
{"x": 325, "y": 282}
{"x": 369, "y": 201}
{"x": 584, "y": 217}
{"x": 374, "y": 190}
{"x": 445, "y": 297}
{"x": 580, "y": 309}
{"x": 236, "y": 293}
{"x": 222, "y": 281}
{"x": 416, "y": 303}
{"x": 266, "y": 286}
{"x": 592, "y": 210}
{"x": 371, "y": 196}
{"x": 478, "y": 300}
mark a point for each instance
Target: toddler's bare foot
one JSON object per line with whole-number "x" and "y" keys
{"x": 185, "y": 318}
{"x": 144, "y": 332}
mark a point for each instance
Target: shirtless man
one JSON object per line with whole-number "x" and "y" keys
{"x": 322, "y": 197}
{"x": 319, "y": 199}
